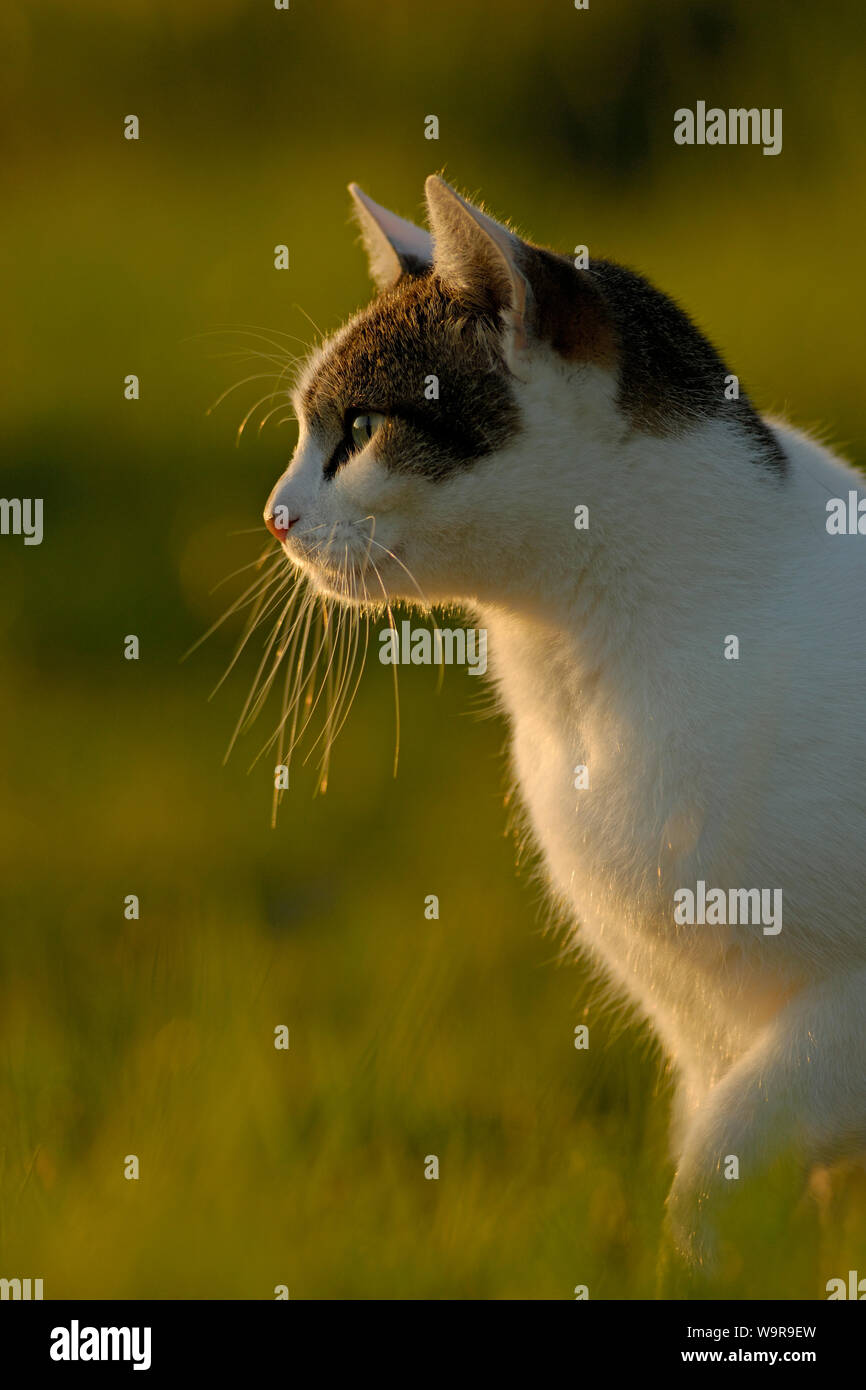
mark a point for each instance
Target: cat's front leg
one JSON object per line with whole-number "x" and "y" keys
{"x": 798, "y": 1094}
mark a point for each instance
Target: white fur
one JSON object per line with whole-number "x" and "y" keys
{"x": 607, "y": 648}
{"x": 746, "y": 773}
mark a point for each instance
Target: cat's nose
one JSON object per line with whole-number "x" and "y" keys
{"x": 280, "y": 531}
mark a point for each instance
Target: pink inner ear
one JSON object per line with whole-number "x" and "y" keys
{"x": 405, "y": 237}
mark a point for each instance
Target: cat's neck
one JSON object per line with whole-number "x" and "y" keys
{"x": 669, "y": 562}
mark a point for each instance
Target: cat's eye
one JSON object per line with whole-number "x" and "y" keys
{"x": 365, "y": 426}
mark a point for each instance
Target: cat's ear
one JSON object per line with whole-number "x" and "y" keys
{"x": 394, "y": 246}
{"x": 479, "y": 258}
{"x": 540, "y": 297}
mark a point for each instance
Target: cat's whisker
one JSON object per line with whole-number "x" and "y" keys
{"x": 250, "y": 355}
{"x": 253, "y": 408}
{"x": 258, "y": 376}
{"x": 266, "y": 605}
{"x": 274, "y": 573}
{"x": 284, "y": 362}
{"x": 267, "y": 592}
{"x": 266, "y": 417}
{"x": 265, "y": 336}
{"x": 242, "y": 568}
{"x": 291, "y": 625}
{"x": 349, "y": 699}
{"x": 328, "y": 685}
{"x": 423, "y": 597}
{"x": 310, "y": 320}
{"x": 335, "y": 679}
{"x": 303, "y": 679}
{"x": 327, "y": 640}
{"x": 300, "y": 680}
{"x": 350, "y": 587}
{"x": 347, "y": 664}
{"x": 280, "y": 391}
{"x": 288, "y": 648}
{"x": 393, "y": 626}
{"x": 269, "y": 647}
{"x": 274, "y": 333}
{"x": 342, "y": 617}
{"x": 278, "y": 791}
{"x": 242, "y": 601}
{"x": 287, "y": 623}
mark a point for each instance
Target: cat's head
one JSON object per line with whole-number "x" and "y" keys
{"x": 449, "y": 429}
{"x": 431, "y": 423}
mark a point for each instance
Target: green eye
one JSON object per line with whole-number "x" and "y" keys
{"x": 365, "y": 426}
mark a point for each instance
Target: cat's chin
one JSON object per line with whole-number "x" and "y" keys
{"x": 347, "y": 588}
{"x": 356, "y": 585}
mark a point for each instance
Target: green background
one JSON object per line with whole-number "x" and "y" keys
{"x": 408, "y": 1037}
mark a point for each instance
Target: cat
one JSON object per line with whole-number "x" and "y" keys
{"x": 696, "y": 645}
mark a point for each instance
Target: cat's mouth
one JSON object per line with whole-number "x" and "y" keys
{"x": 341, "y": 568}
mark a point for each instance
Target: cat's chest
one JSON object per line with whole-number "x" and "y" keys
{"x": 620, "y": 804}
{"x": 596, "y": 771}
{"x": 619, "y": 821}
{"x": 598, "y": 797}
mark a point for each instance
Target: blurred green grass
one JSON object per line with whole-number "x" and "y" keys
{"x": 408, "y": 1037}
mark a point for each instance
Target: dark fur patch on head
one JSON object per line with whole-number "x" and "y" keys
{"x": 568, "y": 310}
{"x": 670, "y": 376}
{"x": 382, "y": 362}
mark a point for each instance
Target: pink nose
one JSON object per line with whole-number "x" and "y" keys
{"x": 280, "y": 531}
